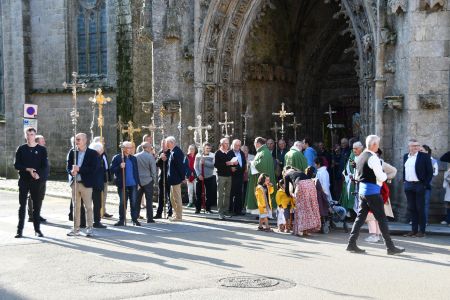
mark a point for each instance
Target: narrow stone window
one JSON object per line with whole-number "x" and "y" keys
{"x": 91, "y": 26}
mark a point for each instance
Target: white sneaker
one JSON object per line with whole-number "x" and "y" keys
{"x": 73, "y": 233}
{"x": 444, "y": 223}
{"x": 89, "y": 232}
{"x": 372, "y": 239}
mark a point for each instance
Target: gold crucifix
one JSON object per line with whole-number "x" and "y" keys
{"x": 100, "y": 100}
{"x": 295, "y": 125}
{"x": 282, "y": 114}
{"x": 130, "y": 130}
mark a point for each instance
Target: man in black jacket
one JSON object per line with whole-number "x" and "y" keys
{"x": 163, "y": 164}
{"x": 176, "y": 175}
{"x": 417, "y": 175}
{"x": 82, "y": 170}
{"x": 31, "y": 162}
{"x": 237, "y": 177}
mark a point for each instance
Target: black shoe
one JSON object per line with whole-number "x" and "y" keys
{"x": 19, "y": 234}
{"x": 136, "y": 223}
{"x": 120, "y": 223}
{"x": 30, "y": 220}
{"x": 38, "y": 233}
{"x": 83, "y": 226}
{"x": 150, "y": 221}
{"x": 141, "y": 217}
{"x": 70, "y": 218}
{"x": 157, "y": 216}
{"x": 209, "y": 211}
{"x": 105, "y": 215}
{"x": 197, "y": 211}
{"x": 99, "y": 225}
{"x": 43, "y": 220}
{"x": 395, "y": 250}
{"x": 355, "y": 249}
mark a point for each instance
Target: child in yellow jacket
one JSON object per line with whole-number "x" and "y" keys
{"x": 262, "y": 192}
{"x": 286, "y": 205}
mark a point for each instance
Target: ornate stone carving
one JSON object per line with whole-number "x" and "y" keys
{"x": 398, "y": 6}
{"x": 430, "y": 101}
{"x": 188, "y": 51}
{"x": 188, "y": 76}
{"x": 394, "y": 102}
{"x": 432, "y": 5}
{"x": 367, "y": 43}
{"x": 389, "y": 66}
{"x": 172, "y": 23}
{"x": 266, "y": 72}
{"x": 387, "y": 36}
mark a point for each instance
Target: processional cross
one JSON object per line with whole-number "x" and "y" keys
{"x": 100, "y": 100}
{"x": 330, "y": 113}
{"x": 295, "y": 125}
{"x": 246, "y": 116}
{"x": 225, "y": 125}
{"x": 275, "y": 129}
{"x": 198, "y": 132}
{"x": 282, "y": 114}
{"x": 130, "y": 130}
{"x": 74, "y": 115}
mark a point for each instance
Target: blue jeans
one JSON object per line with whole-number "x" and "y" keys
{"x": 415, "y": 194}
{"x": 427, "y": 204}
{"x": 131, "y": 194}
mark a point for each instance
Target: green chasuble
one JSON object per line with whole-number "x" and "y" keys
{"x": 296, "y": 159}
{"x": 347, "y": 199}
{"x": 263, "y": 163}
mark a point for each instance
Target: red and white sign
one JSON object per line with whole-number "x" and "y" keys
{"x": 30, "y": 111}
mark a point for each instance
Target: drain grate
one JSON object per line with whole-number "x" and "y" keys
{"x": 249, "y": 282}
{"x": 119, "y": 277}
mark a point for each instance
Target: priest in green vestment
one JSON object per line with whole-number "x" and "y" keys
{"x": 347, "y": 198}
{"x": 295, "y": 158}
{"x": 263, "y": 163}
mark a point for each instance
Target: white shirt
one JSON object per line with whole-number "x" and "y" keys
{"x": 324, "y": 178}
{"x": 435, "y": 166}
{"x": 374, "y": 163}
{"x": 410, "y": 168}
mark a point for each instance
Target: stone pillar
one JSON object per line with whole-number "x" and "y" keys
{"x": 15, "y": 89}
{"x": 423, "y": 63}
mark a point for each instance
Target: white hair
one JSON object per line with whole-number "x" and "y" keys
{"x": 96, "y": 146}
{"x": 298, "y": 144}
{"x": 222, "y": 140}
{"x": 96, "y": 139}
{"x": 372, "y": 139}
{"x": 358, "y": 145}
{"x": 171, "y": 139}
{"x": 127, "y": 144}
{"x": 234, "y": 142}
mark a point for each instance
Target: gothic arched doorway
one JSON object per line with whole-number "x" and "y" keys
{"x": 308, "y": 54}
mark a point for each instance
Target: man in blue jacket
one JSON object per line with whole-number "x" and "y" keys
{"x": 176, "y": 175}
{"x": 82, "y": 170}
{"x": 417, "y": 175}
{"x": 126, "y": 163}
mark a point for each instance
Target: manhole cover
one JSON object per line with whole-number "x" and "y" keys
{"x": 252, "y": 282}
{"x": 120, "y": 277}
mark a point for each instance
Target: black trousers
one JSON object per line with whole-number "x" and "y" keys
{"x": 159, "y": 211}
{"x": 210, "y": 193}
{"x": 41, "y": 195}
{"x": 237, "y": 189}
{"x": 33, "y": 187}
{"x": 415, "y": 195}
{"x": 375, "y": 204}
{"x": 148, "y": 191}
{"x": 97, "y": 204}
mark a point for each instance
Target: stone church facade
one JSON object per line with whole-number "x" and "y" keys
{"x": 383, "y": 66}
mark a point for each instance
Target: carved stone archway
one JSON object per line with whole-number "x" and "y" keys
{"x": 220, "y": 76}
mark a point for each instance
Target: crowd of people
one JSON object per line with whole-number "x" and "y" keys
{"x": 302, "y": 185}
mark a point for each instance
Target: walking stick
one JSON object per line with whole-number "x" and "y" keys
{"x": 203, "y": 186}
{"x": 123, "y": 190}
